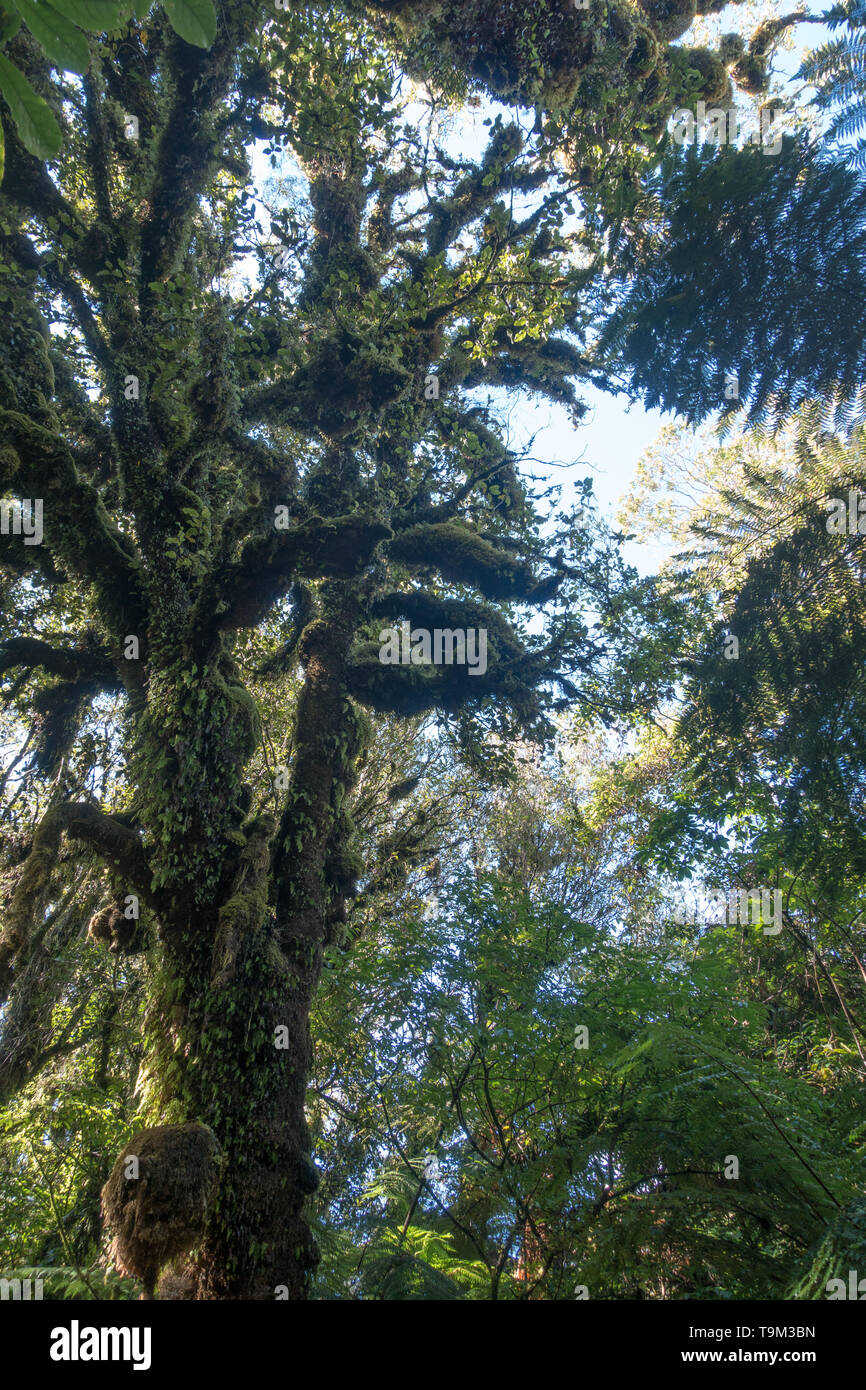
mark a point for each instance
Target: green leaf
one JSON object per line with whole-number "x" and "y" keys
{"x": 39, "y": 131}
{"x": 10, "y": 23}
{"x": 65, "y": 45}
{"x": 2, "y": 154}
{"x": 95, "y": 15}
{"x": 194, "y": 20}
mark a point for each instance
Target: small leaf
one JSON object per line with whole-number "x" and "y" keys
{"x": 65, "y": 45}
{"x": 194, "y": 20}
{"x": 2, "y": 154}
{"x": 39, "y": 131}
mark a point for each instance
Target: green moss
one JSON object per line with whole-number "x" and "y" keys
{"x": 9, "y": 465}
{"x": 714, "y": 82}
{"x": 246, "y": 911}
{"x": 645, "y": 55}
{"x": 464, "y": 557}
{"x": 670, "y": 18}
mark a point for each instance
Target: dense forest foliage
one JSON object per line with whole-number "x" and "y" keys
{"x": 538, "y": 974}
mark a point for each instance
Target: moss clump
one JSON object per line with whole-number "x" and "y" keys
{"x": 670, "y": 18}
{"x": 645, "y": 55}
{"x": 713, "y": 82}
{"x": 99, "y": 926}
{"x": 731, "y": 48}
{"x": 160, "y": 1214}
{"x": 114, "y": 929}
{"x": 751, "y": 74}
{"x": 248, "y": 722}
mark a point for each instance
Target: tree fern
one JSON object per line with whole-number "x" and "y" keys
{"x": 838, "y": 72}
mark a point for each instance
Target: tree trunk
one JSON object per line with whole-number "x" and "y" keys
{"x": 230, "y": 1034}
{"x": 256, "y": 1058}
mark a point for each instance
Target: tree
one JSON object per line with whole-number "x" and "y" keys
{"x": 766, "y": 785}
{"x": 724, "y": 271}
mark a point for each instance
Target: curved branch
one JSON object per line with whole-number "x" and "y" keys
{"x": 462, "y": 556}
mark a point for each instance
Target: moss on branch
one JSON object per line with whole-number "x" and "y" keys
{"x": 461, "y": 556}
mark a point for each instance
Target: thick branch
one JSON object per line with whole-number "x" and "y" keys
{"x": 67, "y": 662}
{"x": 190, "y": 144}
{"x": 463, "y": 557}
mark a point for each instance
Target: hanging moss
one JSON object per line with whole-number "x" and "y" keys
{"x": 59, "y": 710}
{"x": 32, "y": 888}
{"x": 99, "y": 926}
{"x": 121, "y": 934}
